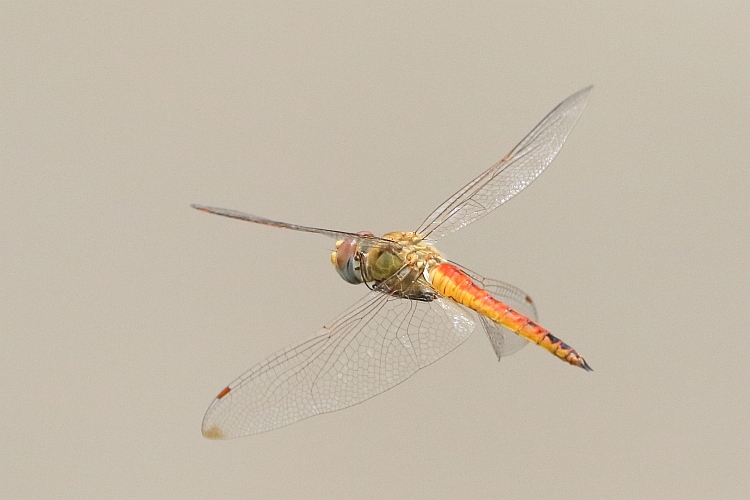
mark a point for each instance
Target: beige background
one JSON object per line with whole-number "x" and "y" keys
{"x": 123, "y": 312}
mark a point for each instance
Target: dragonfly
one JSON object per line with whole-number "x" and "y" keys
{"x": 420, "y": 305}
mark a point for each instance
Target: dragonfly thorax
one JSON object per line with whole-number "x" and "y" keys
{"x": 406, "y": 259}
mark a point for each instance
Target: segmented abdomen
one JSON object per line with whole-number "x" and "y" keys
{"x": 454, "y": 283}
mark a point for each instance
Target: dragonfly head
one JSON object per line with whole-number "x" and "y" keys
{"x": 347, "y": 259}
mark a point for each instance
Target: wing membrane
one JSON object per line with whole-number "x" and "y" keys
{"x": 504, "y": 341}
{"x": 510, "y": 175}
{"x": 376, "y": 344}
{"x": 339, "y": 235}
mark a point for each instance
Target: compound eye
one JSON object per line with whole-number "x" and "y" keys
{"x": 346, "y": 261}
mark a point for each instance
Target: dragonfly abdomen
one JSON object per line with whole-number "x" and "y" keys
{"x": 451, "y": 282}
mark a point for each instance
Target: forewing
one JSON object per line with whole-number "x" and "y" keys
{"x": 339, "y": 235}
{"x": 510, "y": 175}
{"x": 376, "y": 344}
{"x": 504, "y": 341}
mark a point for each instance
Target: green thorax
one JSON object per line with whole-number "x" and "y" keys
{"x": 410, "y": 256}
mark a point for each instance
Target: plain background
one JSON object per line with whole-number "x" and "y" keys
{"x": 123, "y": 312}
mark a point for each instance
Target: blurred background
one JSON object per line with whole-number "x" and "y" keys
{"x": 123, "y": 312}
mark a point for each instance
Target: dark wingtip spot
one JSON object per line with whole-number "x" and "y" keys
{"x": 528, "y": 299}
{"x": 223, "y": 393}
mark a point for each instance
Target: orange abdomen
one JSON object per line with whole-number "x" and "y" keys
{"x": 454, "y": 283}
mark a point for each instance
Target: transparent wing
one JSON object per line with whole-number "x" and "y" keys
{"x": 376, "y": 344}
{"x": 504, "y": 341}
{"x": 510, "y": 175}
{"x": 339, "y": 235}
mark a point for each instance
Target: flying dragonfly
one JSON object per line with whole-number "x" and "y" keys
{"x": 420, "y": 306}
